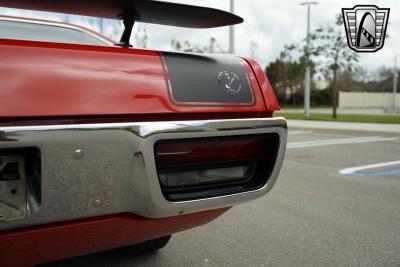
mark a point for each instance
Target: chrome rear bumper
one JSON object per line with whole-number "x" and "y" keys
{"x": 98, "y": 169}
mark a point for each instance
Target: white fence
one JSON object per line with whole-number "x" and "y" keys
{"x": 368, "y": 100}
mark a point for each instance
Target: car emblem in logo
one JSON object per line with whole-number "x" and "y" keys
{"x": 230, "y": 82}
{"x": 365, "y": 27}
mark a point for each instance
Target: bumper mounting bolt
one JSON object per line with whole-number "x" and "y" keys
{"x": 78, "y": 154}
{"x": 97, "y": 203}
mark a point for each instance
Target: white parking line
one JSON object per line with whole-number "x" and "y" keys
{"x": 299, "y": 132}
{"x": 329, "y": 142}
{"x": 356, "y": 171}
{"x": 371, "y": 166}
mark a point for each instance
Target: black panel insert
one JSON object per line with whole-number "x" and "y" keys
{"x": 205, "y": 80}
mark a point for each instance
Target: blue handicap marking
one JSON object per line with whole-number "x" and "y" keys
{"x": 380, "y": 173}
{"x": 360, "y": 170}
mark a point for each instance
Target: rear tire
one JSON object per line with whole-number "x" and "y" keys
{"x": 147, "y": 246}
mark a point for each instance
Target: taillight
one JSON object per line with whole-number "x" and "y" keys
{"x": 193, "y": 168}
{"x": 169, "y": 154}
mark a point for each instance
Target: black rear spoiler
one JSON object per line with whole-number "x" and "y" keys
{"x": 141, "y": 10}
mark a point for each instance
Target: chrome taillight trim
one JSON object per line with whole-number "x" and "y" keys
{"x": 98, "y": 169}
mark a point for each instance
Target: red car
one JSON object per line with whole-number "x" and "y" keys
{"x": 105, "y": 146}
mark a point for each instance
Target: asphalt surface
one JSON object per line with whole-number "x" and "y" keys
{"x": 313, "y": 216}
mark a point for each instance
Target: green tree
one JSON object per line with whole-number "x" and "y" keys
{"x": 277, "y": 75}
{"x": 287, "y": 73}
{"x": 330, "y": 46}
{"x": 187, "y": 46}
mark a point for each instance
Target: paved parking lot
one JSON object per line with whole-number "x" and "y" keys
{"x": 314, "y": 215}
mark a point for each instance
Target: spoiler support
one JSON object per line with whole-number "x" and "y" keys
{"x": 128, "y": 19}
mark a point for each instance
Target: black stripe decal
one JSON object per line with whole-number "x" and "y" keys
{"x": 199, "y": 80}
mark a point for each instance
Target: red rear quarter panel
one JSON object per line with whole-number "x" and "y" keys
{"x": 47, "y": 79}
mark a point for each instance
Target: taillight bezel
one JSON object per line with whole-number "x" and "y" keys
{"x": 258, "y": 178}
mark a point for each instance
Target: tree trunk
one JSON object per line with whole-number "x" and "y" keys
{"x": 293, "y": 94}
{"x": 284, "y": 96}
{"x": 334, "y": 95}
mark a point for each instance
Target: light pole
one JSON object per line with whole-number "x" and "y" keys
{"x": 253, "y": 47}
{"x": 395, "y": 76}
{"x": 101, "y": 26}
{"x": 307, "y": 73}
{"x": 232, "y": 30}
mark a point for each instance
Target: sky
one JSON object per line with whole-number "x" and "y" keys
{"x": 270, "y": 24}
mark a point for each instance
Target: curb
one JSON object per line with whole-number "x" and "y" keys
{"x": 352, "y": 126}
